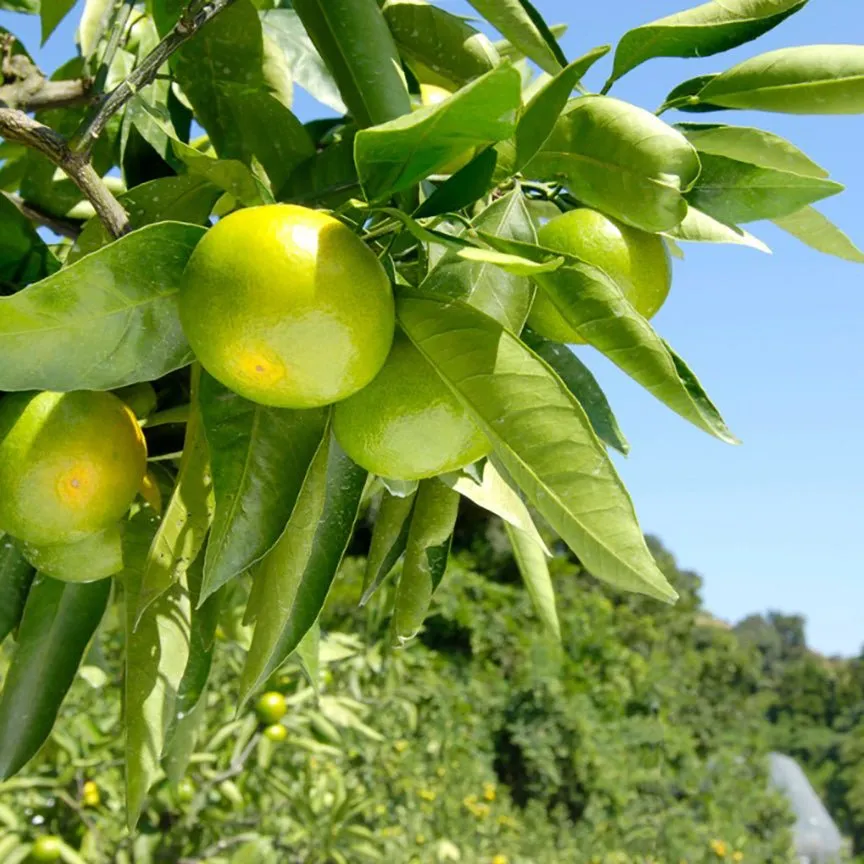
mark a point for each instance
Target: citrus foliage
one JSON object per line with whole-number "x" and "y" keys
{"x": 216, "y": 278}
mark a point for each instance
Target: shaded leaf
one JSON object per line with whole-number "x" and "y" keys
{"x": 685, "y": 97}
{"x": 24, "y": 257}
{"x": 463, "y": 188}
{"x": 309, "y": 654}
{"x": 259, "y": 459}
{"x": 103, "y": 322}
{"x": 546, "y": 444}
{"x": 818, "y": 232}
{"x": 583, "y": 385}
{"x": 534, "y": 570}
{"x": 389, "y": 536}
{"x": 16, "y": 575}
{"x": 328, "y": 179}
{"x": 58, "y": 622}
{"x": 426, "y": 554}
{"x": 622, "y": 160}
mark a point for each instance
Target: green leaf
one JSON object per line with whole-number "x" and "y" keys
{"x": 309, "y": 654}
{"x": 103, "y": 322}
{"x": 157, "y": 651}
{"x": 184, "y": 199}
{"x": 96, "y": 556}
{"x": 685, "y": 97}
{"x": 51, "y": 13}
{"x": 543, "y": 110}
{"x": 541, "y": 436}
{"x": 463, "y": 188}
{"x": 622, "y": 160}
{"x": 328, "y": 179}
{"x": 58, "y": 622}
{"x": 700, "y": 32}
{"x": 24, "y": 257}
{"x": 309, "y": 71}
{"x": 818, "y": 232}
{"x": 591, "y": 302}
{"x": 186, "y": 521}
{"x": 583, "y": 385}
{"x": 389, "y": 536}
{"x": 296, "y": 575}
{"x": 353, "y": 39}
{"x": 699, "y": 227}
{"x": 428, "y": 549}
{"x": 734, "y": 192}
{"x": 182, "y": 742}
{"x": 394, "y": 156}
{"x": 494, "y": 493}
{"x": 751, "y": 145}
{"x": 523, "y": 26}
{"x": 504, "y": 296}
{"x": 444, "y": 48}
{"x": 94, "y": 21}
{"x": 259, "y": 457}
{"x": 813, "y": 79}
{"x": 534, "y": 570}
{"x": 16, "y": 575}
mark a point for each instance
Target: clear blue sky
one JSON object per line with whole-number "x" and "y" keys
{"x": 778, "y": 522}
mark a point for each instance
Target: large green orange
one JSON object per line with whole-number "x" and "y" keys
{"x": 636, "y": 260}
{"x": 70, "y": 464}
{"x": 406, "y": 424}
{"x": 287, "y": 307}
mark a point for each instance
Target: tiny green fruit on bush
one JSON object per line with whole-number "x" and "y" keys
{"x": 319, "y": 327}
{"x": 276, "y": 732}
{"x": 407, "y": 424}
{"x": 46, "y": 849}
{"x": 70, "y": 464}
{"x": 271, "y": 707}
{"x": 637, "y": 261}
{"x": 287, "y": 306}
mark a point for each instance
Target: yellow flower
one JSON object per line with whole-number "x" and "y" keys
{"x": 500, "y": 859}
{"x": 427, "y": 794}
{"x": 737, "y": 857}
{"x": 380, "y": 809}
{"x": 481, "y": 811}
{"x": 400, "y": 746}
{"x": 469, "y": 801}
{"x": 489, "y": 791}
{"x": 90, "y": 794}
{"x": 719, "y": 847}
{"x": 506, "y": 821}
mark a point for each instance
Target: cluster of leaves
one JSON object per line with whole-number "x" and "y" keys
{"x": 640, "y": 738}
{"x": 267, "y": 492}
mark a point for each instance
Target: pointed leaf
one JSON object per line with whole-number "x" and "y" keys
{"x": 584, "y": 387}
{"x": 541, "y": 436}
{"x": 699, "y": 227}
{"x": 51, "y": 13}
{"x": 103, "y": 322}
{"x": 504, "y": 296}
{"x": 734, "y": 192}
{"x": 523, "y": 26}
{"x": 353, "y": 39}
{"x": 818, "y": 232}
{"x": 259, "y": 458}
{"x": 157, "y": 652}
{"x": 463, "y": 188}
{"x": 428, "y": 549}
{"x": 16, "y": 575}
{"x": 389, "y": 536}
{"x": 24, "y": 257}
{"x": 700, "y": 32}
{"x": 394, "y": 156}
{"x": 309, "y": 654}
{"x": 59, "y": 621}
{"x": 294, "y": 578}
{"x": 534, "y": 569}
{"x": 685, "y": 96}
{"x": 622, "y": 160}
{"x": 813, "y": 79}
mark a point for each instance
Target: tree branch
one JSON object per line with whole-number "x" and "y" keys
{"x": 70, "y": 228}
{"x": 19, "y": 127}
{"x": 143, "y": 74}
{"x": 28, "y": 89}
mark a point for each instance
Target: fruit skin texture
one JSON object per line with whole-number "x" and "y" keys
{"x": 46, "y": 848}
{"x": 287, "y": 307}
{"x": 276, "y": 732}
{"x": 70, "y": 464}
{"x": 271, "y": 707}
{"x": 406, "y": 424}
{"x": 639, "y": 262}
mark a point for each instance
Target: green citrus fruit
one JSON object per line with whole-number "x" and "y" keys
{"x": 90, "y": 794}
{"x": 431, "y": 94}
{"x": 637, "y": 261}
{"x": 46, "y": 848}
{"x": 93, "y": 557}
{"x": 271, "y": 707}
{"x": 185, "y": 790}
{"x": 70, "y": 464}
{"x": 287, "y": 307}
{"x": 276, "y": 732}
{"x": 407, "y": 424}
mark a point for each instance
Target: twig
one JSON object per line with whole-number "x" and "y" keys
{"x": 189, "y": 24}
{"x": 118, "y": 28}
{"x": 17, "y": 126}
{"x": 70, "y": 228}
{"x": 28, "y": 89}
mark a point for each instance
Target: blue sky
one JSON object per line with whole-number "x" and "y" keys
{"x": 776, "y": 523}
